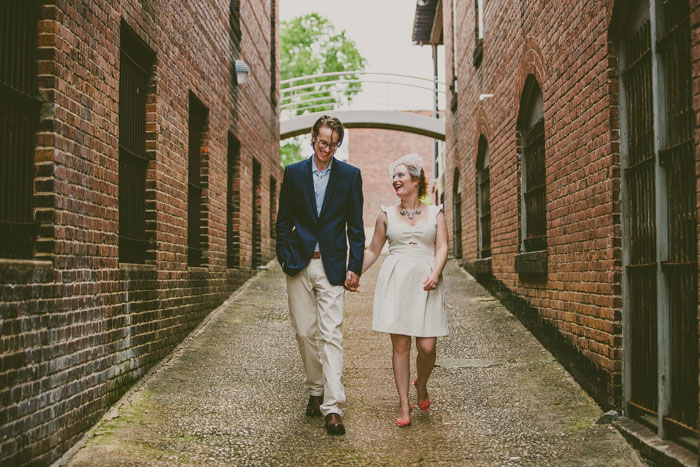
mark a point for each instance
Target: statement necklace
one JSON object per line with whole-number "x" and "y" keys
{"x": 411, "y": 213}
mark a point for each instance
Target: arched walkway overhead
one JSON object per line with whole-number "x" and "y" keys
{"x": 389, "y": 120}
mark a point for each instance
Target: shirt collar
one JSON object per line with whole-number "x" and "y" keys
{"x": 315, "y": 170}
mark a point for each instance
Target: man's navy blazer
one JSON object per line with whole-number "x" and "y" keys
{"x": 299, "y": 227}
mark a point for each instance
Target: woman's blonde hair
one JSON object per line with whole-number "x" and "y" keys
{"x": 414, "y": 165}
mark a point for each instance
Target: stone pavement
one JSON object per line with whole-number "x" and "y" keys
{"x": 233, "y": 394}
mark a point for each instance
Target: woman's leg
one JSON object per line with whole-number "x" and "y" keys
{"x": 401, "y": 363}
{"x": 425, "y": 361}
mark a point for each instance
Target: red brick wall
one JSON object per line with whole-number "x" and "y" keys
{"x": 565, "y": 46}
{"x": 78, "y": 327}
{"x": 373, "y": 151}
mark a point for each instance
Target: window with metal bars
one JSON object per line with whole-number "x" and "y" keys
{"x": 233, "y": 204}
{"x": 677, "y": 157}
{"x": 478, "y": 32}
{"x": 235, "y": 18}
{"x": 273, "y": 206}
{"x": 484, "y": 199}
{"x": 135, "y": 71}
{"x": 660, "y": 200}
{"x": 534, "y": 215}
{"x": 457, "y": 214}
{"x": 257, "y": 215}
{"x": 19, "y": 117}
{"x": 198, "y": 114}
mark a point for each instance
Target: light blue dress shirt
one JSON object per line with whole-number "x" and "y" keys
{"x": 320, "y": 178}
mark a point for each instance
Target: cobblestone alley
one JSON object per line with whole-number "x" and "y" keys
{"x": 232, "y": 394}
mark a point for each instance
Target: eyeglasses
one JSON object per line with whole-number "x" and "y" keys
{"x": 324, "y": 145}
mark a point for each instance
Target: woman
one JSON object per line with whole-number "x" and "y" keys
{"x": 409, "y": 297}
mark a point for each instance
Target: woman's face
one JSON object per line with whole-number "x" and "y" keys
{"x": 402, "y": 182}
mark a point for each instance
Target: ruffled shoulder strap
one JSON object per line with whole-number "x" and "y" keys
{"x": 436, "y": 210}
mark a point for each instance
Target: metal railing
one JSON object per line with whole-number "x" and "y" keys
{"x": 359, "y": 90}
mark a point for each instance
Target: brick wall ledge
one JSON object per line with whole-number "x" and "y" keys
{"x": 659, "y": 451}
{"x": 531, "y": 262}
{"x": 137, "y": 267}
{"x": 25, "y": 263}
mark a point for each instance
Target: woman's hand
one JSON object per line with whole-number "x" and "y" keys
{"x": 431, "y": 282}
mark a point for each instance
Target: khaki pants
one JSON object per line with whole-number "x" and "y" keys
{"x": 316, "y": 312}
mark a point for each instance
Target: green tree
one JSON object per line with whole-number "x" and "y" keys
{"x": 310, "y": 45}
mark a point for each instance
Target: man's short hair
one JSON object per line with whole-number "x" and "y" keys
{"x": 331, "y": 122}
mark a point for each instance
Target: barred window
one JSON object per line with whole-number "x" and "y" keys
{"x": 533, "y": 189}
{"x": 19, "y": 116}
{"x": 135, "y": 71}
{"x": 483, "y": 196}
{"x": 235, "y": 18}
{"x": 233, "y": 204}
{"x": 273, "y": 206}
{"x": 457, "y": 214}
{"x": 197, "y": 126}
{"x": 257, "y": 215}
{"x": 478, "y": 31}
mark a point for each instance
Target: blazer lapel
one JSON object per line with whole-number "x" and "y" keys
{"x": 309, "y": 181}
{"x": 332, "y": 182}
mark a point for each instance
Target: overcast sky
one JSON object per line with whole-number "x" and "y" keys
{"x": 381, "y": 29}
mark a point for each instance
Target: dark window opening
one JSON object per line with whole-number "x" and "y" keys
{"x": 19, "y": 117}
{"x": 257, "y": 216}
{"x": 484, "y": 199}
{"x": 273, "y": 206}
{"x": 233, "y": 204}
{"x": 457, "y": 214}
{"x": 135, "y": 72}
{"x": 198, "y": 114}
{"x": 533, "y": 188}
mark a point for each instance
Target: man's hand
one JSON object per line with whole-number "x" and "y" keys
{"x": 352, "y": 281}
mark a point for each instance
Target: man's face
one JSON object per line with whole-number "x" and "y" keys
{"x": 325, "y": 145}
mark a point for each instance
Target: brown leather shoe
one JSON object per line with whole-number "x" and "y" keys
{"x": 313, "y": 408}
{"x": 334, "y": 425}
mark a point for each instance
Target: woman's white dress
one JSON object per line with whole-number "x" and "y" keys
{"x": 401, "y": 306}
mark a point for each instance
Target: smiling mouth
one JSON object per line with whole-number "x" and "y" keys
{"x": 397, "y": 186}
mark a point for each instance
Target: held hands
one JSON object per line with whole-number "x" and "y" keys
{"x": 352, "y": 282}
{"x": 431, "y": 282}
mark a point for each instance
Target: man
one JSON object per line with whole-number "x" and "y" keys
{"x": 319, "y": 197}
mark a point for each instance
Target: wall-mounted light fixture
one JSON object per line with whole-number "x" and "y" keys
{"x": 241, "y": 69}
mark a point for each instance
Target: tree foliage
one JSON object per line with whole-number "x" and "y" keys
{"x": 310, "y": 45}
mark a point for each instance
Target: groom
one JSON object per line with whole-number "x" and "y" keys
{"x": 320, "y": 206}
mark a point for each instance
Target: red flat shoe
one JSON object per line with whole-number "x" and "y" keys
{"x": 425, "y": 405}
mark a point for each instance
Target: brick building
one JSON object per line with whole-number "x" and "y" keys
{"x": 373, "y": 150}
{"x": 138, "y": 189}
{"x": 572, "y": 171}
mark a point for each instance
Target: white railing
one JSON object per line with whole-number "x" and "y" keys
{"x": 377, "y": 91}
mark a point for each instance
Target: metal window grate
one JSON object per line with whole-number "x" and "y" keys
{"x": 197, "y": 125}
{"x": 233, "y": 204}
{"x": 534, "y": 194}
{"x": 681, "y": 270}
{"x": 257, "y": 215}
{"x": 19, "y": 116}
{"x": 273, "y": 206}
{"x": 484, "y": 197}
{"x": 640, "y": 182}
{"x": 457, "y": 213}
{"x": 136, "y": 63}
